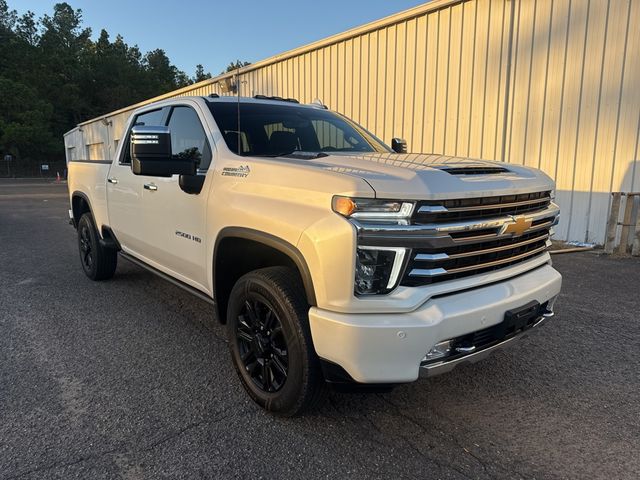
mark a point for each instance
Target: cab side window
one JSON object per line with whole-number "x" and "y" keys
{"x": 152, "y": 118}
{"x": 188, "y": 138}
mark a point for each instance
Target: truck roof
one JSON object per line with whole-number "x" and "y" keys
{"x": 213, "y": 98}
{"x": 260, "y": 99}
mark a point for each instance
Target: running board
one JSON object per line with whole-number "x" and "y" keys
{"x": 168, "y": 278}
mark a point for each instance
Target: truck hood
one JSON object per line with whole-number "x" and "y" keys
{"x": 422, "y": 176}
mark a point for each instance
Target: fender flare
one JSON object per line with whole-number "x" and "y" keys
{"x": 274, "y": 242}
{"x": 106, "y": 237}
{"x": 84, "y": 197}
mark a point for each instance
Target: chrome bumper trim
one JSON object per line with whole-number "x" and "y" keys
{"x": 446, "y": 366}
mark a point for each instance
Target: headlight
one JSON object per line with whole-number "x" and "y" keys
{"x": 371, "y": 208}
{"x": 377, "y": 269}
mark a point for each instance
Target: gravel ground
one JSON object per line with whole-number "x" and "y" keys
{"x": 131, "y": 379}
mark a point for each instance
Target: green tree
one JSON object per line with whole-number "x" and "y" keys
{"x": 64, "y": 45}
{"x": 27, "y": 28}
{"x": 115, "y": 74}
{"x": 235, "y": 65}
{"x": 54, "y": 76}
{"x": 161, "y": 74}
{"x": 200, "y": 74}
{"x": 8, "y": 18}
{"x": 24, "y": 122}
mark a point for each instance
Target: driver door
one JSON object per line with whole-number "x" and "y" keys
{"x": 124, "y": 192}
{"x": 174, "y": 220}
{"x": 154, "y": 219}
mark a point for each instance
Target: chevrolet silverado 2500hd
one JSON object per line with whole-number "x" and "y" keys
{"x": 330, "y": 257}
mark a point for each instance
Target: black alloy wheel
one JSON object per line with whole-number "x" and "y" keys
{"x": 270, "y": 341}
{"x": 86, "y": 249}
{"x": 262, "y": 345}
{"x": 98, "y": 261}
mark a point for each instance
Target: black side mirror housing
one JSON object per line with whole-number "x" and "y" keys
{"x": 151, "y": 153}
{"x": 191, "y": 184}
{"x": 399, "y": 145}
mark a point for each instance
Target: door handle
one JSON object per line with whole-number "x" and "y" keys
{"x": 112, "y": 180}
{"x": 151, "y": 186}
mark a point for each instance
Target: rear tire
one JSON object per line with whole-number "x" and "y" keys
{"x": 98, "y": 262}
{"x": 270, "y": 341}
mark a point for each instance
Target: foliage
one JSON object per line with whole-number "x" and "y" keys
{"x": 235, "y": 65}
{"x": 54, "y": 76}
{"x": 200, "y": 74}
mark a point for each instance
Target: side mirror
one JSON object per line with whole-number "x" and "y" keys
{"x": 151, "y": 153}
{"x": 399, "y": 145}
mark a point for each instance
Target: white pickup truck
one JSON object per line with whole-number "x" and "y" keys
{"x": 331, "y": 258}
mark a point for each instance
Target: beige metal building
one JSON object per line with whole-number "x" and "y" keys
{"x": 553, "y": 84}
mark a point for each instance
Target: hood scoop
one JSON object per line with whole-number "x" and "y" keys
{"x": 474, "y": 170}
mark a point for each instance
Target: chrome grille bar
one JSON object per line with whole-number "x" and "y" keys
{"x": 550, "y": 212}
{"x": 419, "y": 272}
{"x": 434, "y": 257}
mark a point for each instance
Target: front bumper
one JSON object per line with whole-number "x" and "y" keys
{"x": 437, "y": 368}
{"x": 389, "y": 348}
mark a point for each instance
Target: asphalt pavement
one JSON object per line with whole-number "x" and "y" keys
{"x": 132, "y": 379}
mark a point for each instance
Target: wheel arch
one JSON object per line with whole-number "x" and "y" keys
{"x": 80, "y": 204}
{"x": 230, "y": 261}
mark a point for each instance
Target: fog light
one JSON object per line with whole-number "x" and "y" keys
{"x": 439, "y": 350}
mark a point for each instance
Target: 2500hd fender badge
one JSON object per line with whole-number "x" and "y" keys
{"x": 188, "y": 236}
{"x": 241, "y": 171}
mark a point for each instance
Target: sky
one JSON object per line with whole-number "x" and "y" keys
{"x": 214, "y": 33}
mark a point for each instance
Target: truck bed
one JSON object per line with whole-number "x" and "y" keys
{"x": 90, "y": 178}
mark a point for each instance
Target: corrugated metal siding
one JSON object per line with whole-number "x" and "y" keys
{"x": 546, "y": 83}
{"x": 574, "y": 106}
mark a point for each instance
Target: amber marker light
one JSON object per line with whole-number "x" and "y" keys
{"x": 343, "y": 205}
{"x": 372, "y": 208}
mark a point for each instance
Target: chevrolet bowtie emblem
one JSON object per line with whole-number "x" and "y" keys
{"x": 518, "y": 227}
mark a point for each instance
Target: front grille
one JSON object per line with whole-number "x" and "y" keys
{"x": 440, "y": 211}
{"x": 478, "y": 250}
{"x": 429, "y": 266}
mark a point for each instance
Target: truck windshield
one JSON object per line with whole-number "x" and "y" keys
{"x": 277, "y": 130}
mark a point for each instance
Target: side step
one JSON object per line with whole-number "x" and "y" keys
{"x": 177, "y": 283}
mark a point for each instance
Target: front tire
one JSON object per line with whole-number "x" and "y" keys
{"x": 98, "y": 262}
{"x": 270, "y": 341}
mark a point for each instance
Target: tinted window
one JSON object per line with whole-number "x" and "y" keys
{"x": 330, "y": 137}
{"x": 153, "y": 118}
{"x": 272, "y": 130}
{"x": 188, "y": 139}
